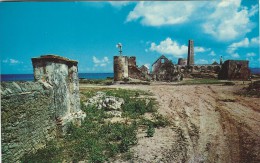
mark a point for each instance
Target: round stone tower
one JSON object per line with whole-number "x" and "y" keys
{"x": 120, "y": 67}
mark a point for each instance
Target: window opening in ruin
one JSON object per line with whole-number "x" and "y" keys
{"x": 162, "y": 60}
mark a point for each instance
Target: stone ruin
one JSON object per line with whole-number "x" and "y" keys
{"x": 235, "y": 70}
{"x": 62, "y": 74}
{"x": 35, "y": 112}
{"x": 125, "y": 68}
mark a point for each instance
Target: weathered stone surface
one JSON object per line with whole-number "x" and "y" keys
{"x": 35, "y": 112}
{"x": 27, "y": 118}
{"x": 110, "y": 104}
{"x": 62, "y": 74}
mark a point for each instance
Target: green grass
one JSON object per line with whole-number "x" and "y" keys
{"x": 97, "y": 140}
{"x": 205, "y": 81}
{"x": 108, "y": 81}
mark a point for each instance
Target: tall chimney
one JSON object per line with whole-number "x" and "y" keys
{"x": 190, "y": 53}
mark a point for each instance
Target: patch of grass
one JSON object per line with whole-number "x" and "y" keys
{"x": 98, "y": 141}
{"x": 107, "y": 81}
{"x": 201, "y": 81}
{"x": 150, "y": 131}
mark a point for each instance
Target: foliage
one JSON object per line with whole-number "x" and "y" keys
{"x": 96, "y": 140}
{"x": 150, "y": 130}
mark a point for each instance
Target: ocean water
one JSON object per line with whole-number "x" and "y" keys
{"x": 30, "y": 77}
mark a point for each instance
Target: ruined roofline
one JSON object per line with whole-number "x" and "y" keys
{"x": 162, "y": 56}
{"x": 54, "y": 58}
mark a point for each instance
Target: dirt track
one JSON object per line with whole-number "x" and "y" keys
{"x": 209, "y": 124}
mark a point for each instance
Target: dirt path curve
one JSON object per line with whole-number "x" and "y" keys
{"x": 209, "y": 124}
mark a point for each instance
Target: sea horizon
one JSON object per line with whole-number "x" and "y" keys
{"x": 30, "y": 77}
{"x": 92, "y": 76}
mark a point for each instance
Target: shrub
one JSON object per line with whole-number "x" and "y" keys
{"x": 150, "y": 130}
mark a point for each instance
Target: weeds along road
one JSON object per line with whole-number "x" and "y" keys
{"x": 209, "y": 124}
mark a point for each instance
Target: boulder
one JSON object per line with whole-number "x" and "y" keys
{"x": 110, "y": 104}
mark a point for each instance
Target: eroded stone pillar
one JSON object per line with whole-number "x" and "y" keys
{"x": 62, "y": 74}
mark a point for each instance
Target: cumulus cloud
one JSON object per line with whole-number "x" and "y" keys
{"x": 235, "y": 55}
{"x": 250, "y": 54}
{"x": 224, "y": 20}
{"x": 100, "y": 62}
{"x": 202, "y": 61}
{"x": 161, "y": 13}
{"x": 172, "y": 47}
{"x": 199, "y": 49}
{"x": 254, "y": 42}
{"x": 229, "y": 20}
{"x": 11, "y": 61}
{"x": 212, "y": 53}
{"x": 169, "y": 46}
{"x": 119, "y": 4}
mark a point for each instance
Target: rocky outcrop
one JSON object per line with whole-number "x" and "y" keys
{"x": 112, "y": 105}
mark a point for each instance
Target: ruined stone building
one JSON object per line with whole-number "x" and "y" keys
{"x": 235, "y": 70}
{"x": 158, "y": 64}
{"x": 159, "y": 68}
{"x": 144, "y": 70}
{"x": 182, "y": 61}
{"x": 125, "y": 67}
{"x": 35, "y": 112}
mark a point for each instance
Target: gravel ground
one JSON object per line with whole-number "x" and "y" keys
{"x": 209, "y": 124}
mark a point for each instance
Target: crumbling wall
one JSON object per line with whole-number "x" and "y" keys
{"x": 234, "y": 70}
{"x": 62, "y": 74}
{"x": 35, "y": 112}
{"x": 182, "y": 61}
{"x": 27, "y": 118}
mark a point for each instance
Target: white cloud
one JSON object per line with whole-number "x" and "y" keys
{"x": 171, "y": 47}
{"x": 254, "y": 42}
{"x": 254, "y": 9}
{"x": 162, "y": 13}
{"x": 212, "y": 53}
{"x": 229, "y": 20}
{"x": 250, "y": 54}
{"x": 11, "y": 61}
{"x": 147, "y": 65}
{"x": 119, "y": 4}
{"x": 233, "y": 47}
{"x": 199, "y": 49}
{"x": 224, "y": 20}
{"x": 202, "y": 61}
{"x": 235, "y": 55}
{"x": 100, "y": 62}
{"x": 168, "y": 46}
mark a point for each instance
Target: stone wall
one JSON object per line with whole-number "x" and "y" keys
{"x": 35, "y": 112}
{"x": 234, "y": 70}
{"x": 62, "y": 74}
{"x": 27, "y": 118}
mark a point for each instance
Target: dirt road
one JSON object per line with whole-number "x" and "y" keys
{"x": 209, "y": 124}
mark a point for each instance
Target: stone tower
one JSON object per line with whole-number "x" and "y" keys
{"x": 190, "y": 53}
{"x": 120, "y": 68}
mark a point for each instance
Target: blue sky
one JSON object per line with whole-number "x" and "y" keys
{"x": 89, "y": 31}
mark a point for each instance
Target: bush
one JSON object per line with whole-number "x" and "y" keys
{"x": 150, "y": 130}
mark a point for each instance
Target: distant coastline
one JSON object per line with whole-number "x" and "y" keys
{"x": 30, "y": 77}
